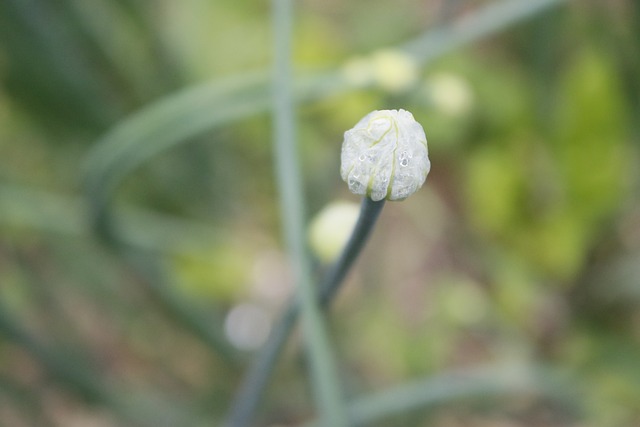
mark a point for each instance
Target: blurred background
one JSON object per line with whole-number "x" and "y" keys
{"x": 522, "y": 248}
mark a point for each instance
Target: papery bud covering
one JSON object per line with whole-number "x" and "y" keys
{"x": 385, "y": 156}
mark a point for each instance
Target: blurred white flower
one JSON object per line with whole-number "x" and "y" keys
{"x": 450, "y": 93}
{"x": 271, "y": 278}
{"x": 385, "y": 156}
{"x": 392, "y": 70}
{"x": 331, "y": 227}
{"x": 247, "y": 326}
{"x": 358, "y": 71}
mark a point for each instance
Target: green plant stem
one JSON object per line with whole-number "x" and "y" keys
{"x": 488, "y": 20}
{"x": 494, "y": 382}
{"x": 447, "y": 387}
{"x": 324, "y": 379}
{"x": 255, "y": 383}
{"x": 23, "y": 207}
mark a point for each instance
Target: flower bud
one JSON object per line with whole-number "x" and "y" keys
{"x": 450, "y": 94}
{"x": 330, "y": 229}
{"x": 394, "y": 70}
{"x": 385, "y": 156}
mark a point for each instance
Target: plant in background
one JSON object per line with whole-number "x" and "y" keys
{"x": 383, "y": 157}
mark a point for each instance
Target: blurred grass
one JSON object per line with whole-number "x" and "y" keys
{"x": 522, "y": 247}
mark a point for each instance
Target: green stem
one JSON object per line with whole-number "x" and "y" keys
{"x": 256, "y": 381}
{"x": 489, "y": 383}
{"x": 328, "y": 394}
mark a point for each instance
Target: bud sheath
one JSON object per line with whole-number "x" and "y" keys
{"x": 385, "y": 156}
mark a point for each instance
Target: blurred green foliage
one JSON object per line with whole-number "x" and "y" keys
{"x": 523, "y": 247}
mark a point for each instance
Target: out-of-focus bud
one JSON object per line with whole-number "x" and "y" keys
{"x": 392, "y": 70}
{"x": 331, "y": 227}
{"x": 358, "y": 71}
{"x": 450, "y": 93}
{"x": 385, "y": 156}
{"x": 247, "y": 326}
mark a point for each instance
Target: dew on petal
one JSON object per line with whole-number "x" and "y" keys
{"x": 378, "y": 148}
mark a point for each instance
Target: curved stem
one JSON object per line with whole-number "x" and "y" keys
{"x": 491, "y": 382}
{"x": 257, "y": 379}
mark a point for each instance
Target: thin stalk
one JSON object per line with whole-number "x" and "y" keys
{"x": 489, "y": 383}
{"x": 256, "y": 381}
{"x": 486, "y": 21}
{"x": 328, "y": 393}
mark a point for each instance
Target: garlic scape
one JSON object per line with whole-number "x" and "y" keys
{"x": 385, "y": 156}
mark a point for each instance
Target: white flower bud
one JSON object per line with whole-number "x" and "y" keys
{"x": 394, "y": 70}
{"x": 385, "y": 156}
{"x": 330, "y": 229}
{"x": 450, "y": 94}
